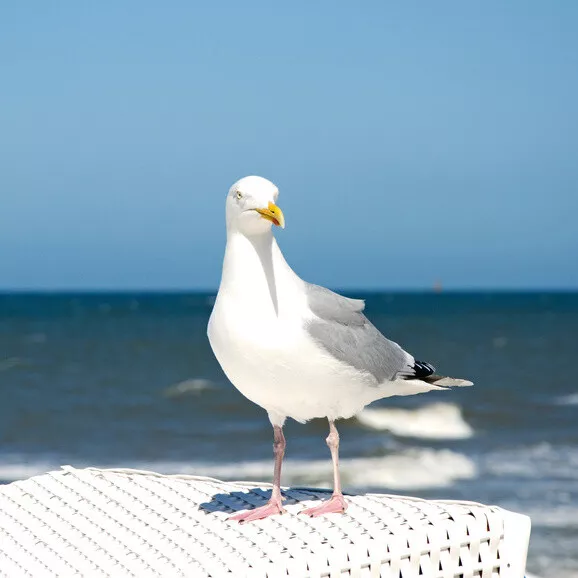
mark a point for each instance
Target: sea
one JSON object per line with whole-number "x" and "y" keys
{"x": 129, "y": 380}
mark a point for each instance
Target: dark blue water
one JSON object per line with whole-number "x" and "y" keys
{"x": 129, "y": 380}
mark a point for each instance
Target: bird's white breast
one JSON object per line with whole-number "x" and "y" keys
{"x": 257, "y": 332}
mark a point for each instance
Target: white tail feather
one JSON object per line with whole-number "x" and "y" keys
{"x": 451, "y": 382}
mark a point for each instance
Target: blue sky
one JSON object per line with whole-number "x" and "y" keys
{"x": 412, "y": 142}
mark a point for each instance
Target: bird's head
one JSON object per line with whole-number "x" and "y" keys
{"x": 251, "y": 206}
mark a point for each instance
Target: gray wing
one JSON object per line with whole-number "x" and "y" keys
{"x": 343, "y": 331}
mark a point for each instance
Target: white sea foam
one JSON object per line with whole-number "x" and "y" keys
{"x": 194, "y": 386}
{"x": 434, "y": 421}
{"x": 12, "y": 470}
{"x": 535, "y": 462}
{"x": 422, "y": 470}
{"x": 571, "y": 399}
{"x": 412, "y": 469}
{"x": 564, "y": 516}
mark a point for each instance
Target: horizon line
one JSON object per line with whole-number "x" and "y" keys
{"x": 206, "y": 290}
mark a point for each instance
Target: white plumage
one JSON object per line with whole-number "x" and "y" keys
{"x": 291, "y": 347}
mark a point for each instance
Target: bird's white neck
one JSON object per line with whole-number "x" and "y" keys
{"x": 255, "y": 271}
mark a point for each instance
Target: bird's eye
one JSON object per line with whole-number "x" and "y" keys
{"x": 239, "y": 195}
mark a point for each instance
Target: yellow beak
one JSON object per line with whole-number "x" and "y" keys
{"x": 274, "y": 214}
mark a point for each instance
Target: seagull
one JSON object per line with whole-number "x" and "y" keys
{"x": 296, "y": 349}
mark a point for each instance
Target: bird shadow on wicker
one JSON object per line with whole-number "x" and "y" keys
{"x": 238, "y": 501}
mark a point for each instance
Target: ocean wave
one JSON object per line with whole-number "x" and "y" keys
{"x": 11, "y": 362}
{"x": 571, "y": 399}
{"x": 560, "y": 462}
{"x": 194, "y": 386}
{"x": 563, "y": 517}
{"x": 13, "y": 470}
{"x": 434, "y": 421}
{"x": 412, "y": 469}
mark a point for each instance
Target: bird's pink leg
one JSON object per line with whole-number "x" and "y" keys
{"x": 274, "y": 505}
{"x": 336, "y": 504}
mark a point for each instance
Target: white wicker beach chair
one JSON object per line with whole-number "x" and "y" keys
{"x": 119, "y": 523}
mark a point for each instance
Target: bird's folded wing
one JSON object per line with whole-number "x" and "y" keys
{"x": 343, "y": 331}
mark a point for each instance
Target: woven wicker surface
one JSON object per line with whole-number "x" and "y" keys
{"x": 120, "y": 523}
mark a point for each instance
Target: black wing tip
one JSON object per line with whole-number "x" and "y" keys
{"x": 423, "y": 369}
